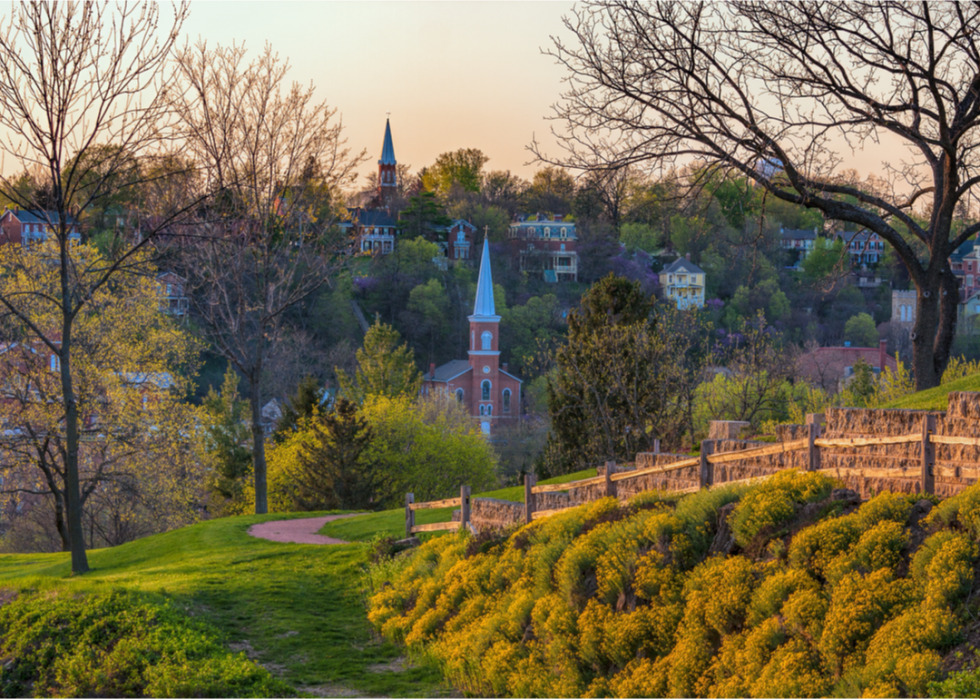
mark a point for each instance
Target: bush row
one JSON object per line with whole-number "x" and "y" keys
{"x": 816, "y": 599}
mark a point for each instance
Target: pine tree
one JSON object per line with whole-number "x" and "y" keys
{"x": 384, "y": 367}
{"x": 300, "y": 408}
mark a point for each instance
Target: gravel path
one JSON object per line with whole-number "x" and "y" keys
{"x": 297, "y": 531}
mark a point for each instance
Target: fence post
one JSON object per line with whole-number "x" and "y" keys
{"x": 928, "y": 479}
{"x": 656, "y": 446}
{"x": 705, "y": 475}
{"x": 815, "y": 423}
{"x": 529, "y": 481}
{"x": 610, "y": 483}
{"x": 409, "y": 514}
{"x": 464, "y": 506}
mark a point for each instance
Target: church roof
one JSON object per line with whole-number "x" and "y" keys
{"x": 483, "y": 307}
{"x": 449, "y": 370}
{"x": 388, "y": 149}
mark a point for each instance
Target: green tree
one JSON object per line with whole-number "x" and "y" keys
{"x": 332, "y": 471}
{"x": 384, "y": 367}
{"x": 860, "y": 331}
{"x": 552, "y": 191}
{"x": 638, "y": 236}
{"x": 612, "y": 300}
{"x": 461, "y": 168}
{"x": 429, "y": 308}
{"x": 524, "y": 329}
{"x": 423, "y": 216}
{"x": 826, "y": 257}
{"x": 225, "y": 442}
{"x": 301, "y": 406}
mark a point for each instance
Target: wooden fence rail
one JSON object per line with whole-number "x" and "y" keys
{"x": 813, "y": 445}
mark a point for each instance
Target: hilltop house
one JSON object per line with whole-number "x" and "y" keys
{"x": 372, "y": 230}
{"x": 545, "y": 246}
{"x": 25, "y": 228}
{"x": 799, "y": 241}
{"x": 170, "y": 294}
{"x": 481, "y": 383}
{"x": 683, "y": 282}
{"x": 830, "y": 367}
{"x": 461, "y": 240}
{"x": 864, "y": 247}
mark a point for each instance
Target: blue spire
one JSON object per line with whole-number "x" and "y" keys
{"x": 388, "y": 149}
{"x": 483, "y": 309}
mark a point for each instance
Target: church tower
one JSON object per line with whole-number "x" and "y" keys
{"x": 387, "y": 175}
{"x": 484, "y": 346}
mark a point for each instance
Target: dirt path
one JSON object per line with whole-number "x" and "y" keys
{"x": 297, "y": 531}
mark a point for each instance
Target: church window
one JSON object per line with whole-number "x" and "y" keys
{"x": 489, "y": 410}
{"x": 459, "y": 395}
{"x": 485, "y": 390}
{"x": 483, "y": 410}
{"x": 506, "y": 400}
{"x": 486, "y": 340}
{"x": 461, "y": 237}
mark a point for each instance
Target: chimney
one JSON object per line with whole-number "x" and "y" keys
{"x": 504, "y": 366}
{"x": 432, "y": 370}
{"x": 687, "y": 256}
{"x": 882, "y": 354}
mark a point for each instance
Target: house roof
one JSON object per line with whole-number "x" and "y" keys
{"x": 464, "y": 223}
{"x": 799, "y": 234}
{"x": 449, "y": 371}
{"x": 45, "y": 217}
{"x": 963, "y": 250}
{"x": 682, "y": 264}
{"x": 388, "y": 148}
{"x": 483, "y": 309}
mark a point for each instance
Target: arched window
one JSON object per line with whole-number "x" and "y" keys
{"x": 506, "y": 397}
{"x": 486, "y": 339}
{"x": 459, "y": 395}
{"x": 489, "y": 410}
{"x": 485, "y": 390}
{"x": 483, "y": 410}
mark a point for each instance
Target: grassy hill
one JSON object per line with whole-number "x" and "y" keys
{"x": 935, "y": 398}
{"x": 299, "y": 610}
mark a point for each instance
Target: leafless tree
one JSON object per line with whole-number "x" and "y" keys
{"x": 274, "y": 161}
{"x": 74, "y": 79}
{"x": 773, "y": 92}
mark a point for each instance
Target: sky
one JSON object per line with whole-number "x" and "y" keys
{"x": 452, "y": 74}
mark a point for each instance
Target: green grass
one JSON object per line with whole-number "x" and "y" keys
{"x": 299, "y": 607}
{"x": 935, "y": 398}
{"x": 392, "y": 522}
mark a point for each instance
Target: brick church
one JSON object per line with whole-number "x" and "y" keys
{"x": 480, "y": 382}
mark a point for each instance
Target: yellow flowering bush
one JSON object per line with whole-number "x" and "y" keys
{"x": 624, "y": 600}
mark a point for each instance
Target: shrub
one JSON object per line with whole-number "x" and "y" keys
{"x": 878, "y": 548}
{"x": 943, "y": 566}
{"x": 772, "y": 504}
{"x": 768, "y": 598}
{"x": 697, "y": 519}
{"x": 890, "y": 507}
{"x": 962, "y": 509}
{"x": 116, "y": 644}
{"x": 816, "y": 547}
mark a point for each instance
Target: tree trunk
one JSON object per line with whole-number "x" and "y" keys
{"x": 79, "y": 560}
{"x": 258, "y": 448}
{"x": 934, "y": 329}
{"x": 59, "y": 520}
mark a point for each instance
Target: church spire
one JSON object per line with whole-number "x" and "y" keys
{"x": 388, "y": 148}
{"x": 483, "y": 309}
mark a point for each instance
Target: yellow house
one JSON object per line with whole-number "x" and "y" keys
{"x": 683, "y": 283}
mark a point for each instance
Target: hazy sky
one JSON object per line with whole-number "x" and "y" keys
{"x": 452, "y": 74}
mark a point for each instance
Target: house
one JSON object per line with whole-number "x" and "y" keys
{"x": 864, "y": 247}
{"x": 170, "y": 293}
{"x": 481, "y": 383}
{"x": 829, "y": 367}
{"x": 801, "y": 242}
{"x": 371, "y": 230}
{"x": 965, "y": 264}
{"x": 968, "y": 312}
{"x": 461, "y": 240}
{"x": 904, "y": 304}
{"x": 26, "y": 228}
{"x": 683, "y": 282}
{"x": 546, "y": 246}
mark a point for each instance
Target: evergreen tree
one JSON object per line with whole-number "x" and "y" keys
{"x": 301, "y": 407}
{"x": 332, "y": 469}
{"x": 384, "y": 367}
{"x": 422, "y": 216}
{"x": 226, "y": 438}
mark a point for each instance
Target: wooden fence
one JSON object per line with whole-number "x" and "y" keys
{"x": 706, "y": 461}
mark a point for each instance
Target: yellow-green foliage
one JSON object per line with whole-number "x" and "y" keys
{"x": 772, "y": 505}
{"x": 602, "y": 601}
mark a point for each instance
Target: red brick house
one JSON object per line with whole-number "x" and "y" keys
{"x": 830, "y": 367}
{"x": 25, "y": 228}
{"x": 545, "y": 246}
{"x": 481, "y": 383}
{"x": 461, "y": 241}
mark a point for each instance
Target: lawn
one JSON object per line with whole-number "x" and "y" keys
{"x": 935, "y": 398}
{"x": 297, "y": 609}
{"x": 392, "y": 522}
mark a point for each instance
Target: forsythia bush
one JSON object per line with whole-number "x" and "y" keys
{"x": 610, "y": 600}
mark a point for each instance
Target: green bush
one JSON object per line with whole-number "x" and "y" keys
{"x": 115, "y": 644}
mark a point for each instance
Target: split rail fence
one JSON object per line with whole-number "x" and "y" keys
{"x": 706, "y": 460}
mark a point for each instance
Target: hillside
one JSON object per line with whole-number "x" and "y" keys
{"x": 935, "y": 398}
{"x": 786, "y": 588}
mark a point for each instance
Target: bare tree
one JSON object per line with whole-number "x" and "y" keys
{"x": 74, "y": 78}
{"x": 274, "y": 162}
{"x": 774, "y": 92}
